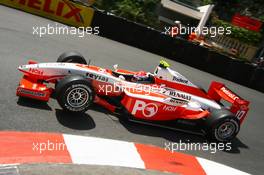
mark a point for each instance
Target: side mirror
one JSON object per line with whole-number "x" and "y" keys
{"x": 115, "y": 66}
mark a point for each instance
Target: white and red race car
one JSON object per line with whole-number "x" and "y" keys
{"x": 164, "y": 97}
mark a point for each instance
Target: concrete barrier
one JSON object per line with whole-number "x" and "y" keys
{"x": 257, "y": 80}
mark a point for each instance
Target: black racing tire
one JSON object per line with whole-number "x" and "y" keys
{"x": 71, "y": 57}
{"x": 221, "y": 126}
{"x": 74, "y": 93}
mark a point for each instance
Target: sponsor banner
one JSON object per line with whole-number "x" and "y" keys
{"x": 247, "y": 22}
{"x": 63, "y": 11}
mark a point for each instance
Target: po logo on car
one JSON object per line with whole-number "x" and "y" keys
{"x": 148, "y": 109}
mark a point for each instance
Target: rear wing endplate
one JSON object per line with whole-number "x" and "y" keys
{"x": 239, "y": 106}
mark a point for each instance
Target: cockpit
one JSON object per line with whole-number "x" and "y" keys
{"x": 135, "y": 77}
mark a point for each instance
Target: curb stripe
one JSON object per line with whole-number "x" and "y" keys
{"x": 18, "y": 148}
{"x": 214, "y": 168}
{"x": 97, "y": 151}
{"x": 158, "y": 159}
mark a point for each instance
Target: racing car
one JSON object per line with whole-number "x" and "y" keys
{"x": 164, "y": 96}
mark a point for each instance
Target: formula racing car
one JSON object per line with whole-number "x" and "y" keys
{"x": 164, "y": 97}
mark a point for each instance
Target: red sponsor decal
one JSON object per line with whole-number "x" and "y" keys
{"x": 36, "y": 71}
{"x": 148, "y": 109}
{"x": 229, "y": 93}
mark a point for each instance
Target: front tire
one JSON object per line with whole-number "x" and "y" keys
{"x": 74, "y": 93}
{"x": 222, "y": 126}
{"x": 71, "y": 57}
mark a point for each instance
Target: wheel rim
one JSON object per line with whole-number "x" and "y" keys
{"x": 226, "y": 130}
{"x": 78, "y": 97}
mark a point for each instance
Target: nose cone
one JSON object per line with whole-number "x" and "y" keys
{"x": 29, "y": 68}
{"x": 23, "y": 68}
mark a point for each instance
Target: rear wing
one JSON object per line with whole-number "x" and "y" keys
{"x": 239, "y": 107}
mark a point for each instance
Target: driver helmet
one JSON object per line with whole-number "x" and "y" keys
{"x": 164, "y": 64}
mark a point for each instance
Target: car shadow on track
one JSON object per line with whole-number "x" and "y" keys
{"x": 236, "y": 146}
{"x": 177, "y": 136}
{"x": 75, "y": 121}
{"x": 168, "y": 134}
{"x": 31, "y": 103}
{"x": 154, "y": 131}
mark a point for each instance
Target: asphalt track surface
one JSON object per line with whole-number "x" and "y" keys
{"x": 69, "y": 169}
{"x": 18, "y": 44}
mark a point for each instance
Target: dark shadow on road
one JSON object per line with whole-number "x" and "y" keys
{"x": 31, "y": 103}
{"x": 178, "y": 136}
{"x": 236, "y": 144}
{"x": 168, "y": 134}
{"x": 75, "y": 121}
{"x": 154, "y": 131}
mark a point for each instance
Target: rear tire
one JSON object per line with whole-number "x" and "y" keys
{"x": 71, "y": 57}
{"x": 74, "y": 93}
{"x": 221, "y": 126}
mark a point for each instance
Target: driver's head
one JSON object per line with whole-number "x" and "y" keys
{"x": 140, "y": 76}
